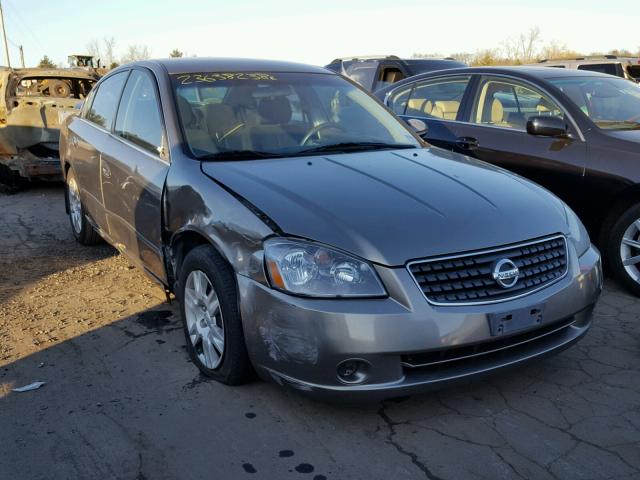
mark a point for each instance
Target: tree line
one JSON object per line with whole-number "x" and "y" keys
{"x": 526, "y": 48}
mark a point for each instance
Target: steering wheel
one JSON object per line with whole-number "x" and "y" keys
{"x": 319, "y": 128}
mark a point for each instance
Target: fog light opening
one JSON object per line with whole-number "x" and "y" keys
{"x": 353, "y": 371}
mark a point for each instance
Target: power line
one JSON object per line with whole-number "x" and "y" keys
{"x": 15, "y": 15}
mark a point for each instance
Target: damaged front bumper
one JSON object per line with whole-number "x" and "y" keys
{"x": 407, "y": 345}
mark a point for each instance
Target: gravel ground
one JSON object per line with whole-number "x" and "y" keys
{"x": 122, "y": 399}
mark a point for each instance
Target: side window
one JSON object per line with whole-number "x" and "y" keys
{"x": 399, "y": 99}
{"x": 363, "y": 72}
{"x": 105, "y": 101}
{"x": 139, "y": 119}
{"x": 608, "y": 68}
{"x": 510, "y": 104}
{"x": 389, "y": 75}
{"x": 438, "y": 97}
{"x": 86, "y": 106}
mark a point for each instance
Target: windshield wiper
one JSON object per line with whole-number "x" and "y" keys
{"x": 239, "y": 155}
{"x": 357, "y": 146}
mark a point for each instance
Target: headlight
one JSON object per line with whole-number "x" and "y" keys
{"x": 577, "y": 233}
{"x": 304, "y": 268}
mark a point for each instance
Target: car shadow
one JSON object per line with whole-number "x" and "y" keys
{"x": 125, "y": 401}
{"x": 36, "y": 239}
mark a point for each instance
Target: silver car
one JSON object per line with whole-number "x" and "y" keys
{"x": 313, "y": 238}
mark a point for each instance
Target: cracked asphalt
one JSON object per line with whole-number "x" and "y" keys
{"x": 122, "y": 399}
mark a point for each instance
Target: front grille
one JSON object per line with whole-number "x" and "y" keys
{"x": 467, "y": 278}
{"x": 486, "y": 351}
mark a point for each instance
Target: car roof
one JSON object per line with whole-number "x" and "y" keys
{"x": 524, "y": 72}
{"x": 204, "y": 64}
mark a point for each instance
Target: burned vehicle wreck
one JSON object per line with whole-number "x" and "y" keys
{"x": 35, "y": 101}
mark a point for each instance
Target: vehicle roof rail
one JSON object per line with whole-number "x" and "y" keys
{"x": 366, "y": 57}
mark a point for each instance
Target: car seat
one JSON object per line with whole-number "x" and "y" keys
{"x": 270, "y": 135}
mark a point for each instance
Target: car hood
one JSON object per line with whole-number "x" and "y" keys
{"x": 627, "y": 135}
{"x": 393, "y": 206}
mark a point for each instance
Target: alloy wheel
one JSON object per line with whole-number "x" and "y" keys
{"x": 630, "y": 250}
{"x": 75, "y": 207}
{"x": 204, "y": 319}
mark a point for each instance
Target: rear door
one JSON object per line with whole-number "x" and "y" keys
{"x": 494, "y": 130}
{"x": 439, "y": 102}
{"x": 87, "y": 136}
{"x": 134, "y": 165}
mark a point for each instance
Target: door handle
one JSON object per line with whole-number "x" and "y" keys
{"x": 74, "y": 141}
{"x": 106, "y": 171}
{"x": 467, "y": 143}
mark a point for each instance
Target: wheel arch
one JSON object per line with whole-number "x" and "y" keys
{"x": 179, "y": 246}
{"x": 619, "y": 204}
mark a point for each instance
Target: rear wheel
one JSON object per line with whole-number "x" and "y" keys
{"x": 82, "y": 230}
{"x": 623, "y": 249}
{"x": 211, "y": 319}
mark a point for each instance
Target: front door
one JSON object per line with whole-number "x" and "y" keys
{"x": 439, "y": 102}
{"x": 494, "y": 130}
{"x": 133, "y": 171}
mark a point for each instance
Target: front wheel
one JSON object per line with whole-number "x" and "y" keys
{"x": 623, "y": 249}
{"x": 82, "y": 230}
{"x": 211, "y": 319}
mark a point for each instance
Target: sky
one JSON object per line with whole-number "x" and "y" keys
{"x": 311, "y": 32}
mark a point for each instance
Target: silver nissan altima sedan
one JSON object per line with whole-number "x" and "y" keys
{"x": 312, "y": 237}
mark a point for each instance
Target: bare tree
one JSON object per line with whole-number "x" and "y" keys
{"x": 109, "y": 55}
{"x": 557, "y": 51}
{"x": 103, "y": 51}
{"x": 427, "y": 55}
{"x": 524, "y": 48}
{"x": 93, "y": 48}
{"x": 135, "y": 53}
{"x": 465, "y": 57}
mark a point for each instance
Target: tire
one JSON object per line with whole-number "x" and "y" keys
{"x": 59, "y": 89}
{"x": 226, "y": 362}
{"x": 10, "y": 181}
{"x": 624, "y": 243}
{"x": 83, "y": 231}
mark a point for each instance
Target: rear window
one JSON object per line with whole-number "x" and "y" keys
{"x": 57, "y": 87}
{"x": 608, "y": 68}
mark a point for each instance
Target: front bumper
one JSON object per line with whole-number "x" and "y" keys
{"x": 299, "y": 342}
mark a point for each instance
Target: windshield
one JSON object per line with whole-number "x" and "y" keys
{"x": 611, "y": 103}
{"x": 254, "y": 115}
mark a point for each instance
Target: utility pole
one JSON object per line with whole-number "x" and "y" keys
{"x": 4, "y": 35}
{"x": 22, "y": 56}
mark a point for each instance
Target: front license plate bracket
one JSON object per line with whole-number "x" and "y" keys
{"x": 514, "y": 320}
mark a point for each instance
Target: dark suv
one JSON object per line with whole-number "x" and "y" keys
{"x": 575, "y": 132}
{"x": 374, "y": 73}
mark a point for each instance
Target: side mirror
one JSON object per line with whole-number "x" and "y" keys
{"x": 418, "y": 126}
{"x": 547, "y": 126}
{"x": 78, "y": 105}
